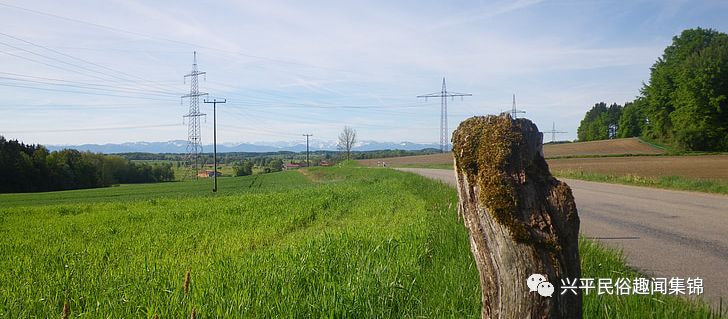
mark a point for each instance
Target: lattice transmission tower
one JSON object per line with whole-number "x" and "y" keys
{"x": 443, "y": 95}
{"x": 194, "y": 130}
{"x": 553, "y": 132}
{"x": 514, "y": 110}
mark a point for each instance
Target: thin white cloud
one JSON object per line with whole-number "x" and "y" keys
{"x": 485, "y": 12}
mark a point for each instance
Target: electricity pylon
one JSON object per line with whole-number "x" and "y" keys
{"x": 553, "y": 132}
{"x": 194, "y": 130}
{"x": 514, "y": 110}
{"x": 443, "y": 95}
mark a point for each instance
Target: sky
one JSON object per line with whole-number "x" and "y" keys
{"x": 77, "y": 72}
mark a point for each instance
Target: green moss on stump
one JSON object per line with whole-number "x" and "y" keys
{"x": 482, "y": 147}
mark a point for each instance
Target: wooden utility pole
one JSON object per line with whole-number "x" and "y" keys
{"x": 214, "y": 103}
{"x": 521, "y": 220}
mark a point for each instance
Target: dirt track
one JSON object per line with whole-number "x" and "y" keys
{"x": 663, "y": 233}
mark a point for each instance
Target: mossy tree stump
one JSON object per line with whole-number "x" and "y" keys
{"x": 521, "y": 220}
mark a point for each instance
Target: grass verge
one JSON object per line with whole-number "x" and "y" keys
{"x": 597, "y": 261}
{"x": 666, "y": 182}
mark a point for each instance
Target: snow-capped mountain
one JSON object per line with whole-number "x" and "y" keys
{"x": 180, "y": 146}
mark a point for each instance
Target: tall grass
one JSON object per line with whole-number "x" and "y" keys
{"x": 372, "y": 244}
{"x": 598, "y": 261}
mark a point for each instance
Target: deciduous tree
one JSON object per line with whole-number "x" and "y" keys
{"x": 347, "y": 139}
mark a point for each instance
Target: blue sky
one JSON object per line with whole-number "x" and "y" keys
{"x": 76, "y": 72}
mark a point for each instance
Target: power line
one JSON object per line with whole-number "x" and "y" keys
{"x": 80, "y": 92}
{"x": 443, "y": 95}
{"x": 125, "y": 90}
{"x": 78, "y": 106}
{"x": 78, "y": 83}
{"x": 53, "y": 66}
{"x": 273, "y": 116}
{"x": 75, "y": 58}
{"x": 115, "y": 29}
{"x": 263, "y": 102}
{"x": 88, "y": 71}
{"x": 94, "y": 129}
{"x": 259, "y": 131}
{"x": 87, "y": 86}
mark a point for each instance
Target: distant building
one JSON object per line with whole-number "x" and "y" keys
{"x": 208, "y": 173}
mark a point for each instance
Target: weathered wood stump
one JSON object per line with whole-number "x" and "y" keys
{"x": 522, "y": 221}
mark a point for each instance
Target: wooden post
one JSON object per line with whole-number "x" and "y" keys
{"x": 521, "y": 220}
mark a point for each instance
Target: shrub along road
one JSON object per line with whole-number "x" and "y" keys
{"x": 663, "y": 233}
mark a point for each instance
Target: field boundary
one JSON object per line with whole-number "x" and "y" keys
{"x": 664, "y": 182}
{"x": 653, "y": 144}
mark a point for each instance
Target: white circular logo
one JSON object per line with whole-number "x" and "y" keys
{"x": 533, "y": 281}
{"x": 545, "y": 289}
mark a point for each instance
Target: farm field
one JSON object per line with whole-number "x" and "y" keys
{"x": 325, "y": 242}
{"x": 616, "y": 147}
{"x": 343, "y": 242}
{"x": 703, "y": 173}
{"x": 621, "y": 146}
{"x": 600, "y": 157}
{"x": 183, "y": 173}
{"x": 411, "y": 161}
{"x": 170, "y": 190}
{"x": 697, "y": 166}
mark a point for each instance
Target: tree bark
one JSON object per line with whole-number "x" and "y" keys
{"x": 522, "y": 221}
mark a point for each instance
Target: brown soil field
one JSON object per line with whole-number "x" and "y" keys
{"x": 410, "y": 160}
{"x": 621, "y": 146}
{"x": 699, "y": 166}
{"x": 702, "y": 166}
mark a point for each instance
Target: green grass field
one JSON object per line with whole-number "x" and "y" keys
{"x": 171, "y": 190}
{"x": 353, "y": 243}
{"x": 326, "y": 242}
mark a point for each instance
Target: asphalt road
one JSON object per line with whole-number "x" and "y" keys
{"x": 663, "y": 233}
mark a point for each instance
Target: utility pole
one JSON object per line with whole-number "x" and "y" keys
{"x": 553, "y": 132}
{"x": 308, "y": 163}
{"x": 214, "y": 103}
{"x": 194, "y": 132}
{"x": 514, "y": 111}
{"x": 443, "y": 95}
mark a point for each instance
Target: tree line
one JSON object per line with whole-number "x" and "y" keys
{"x": 267, "y": 165}
{"x": 32, "y": 168}
{"x": 264, "y": 158}
{"x": 685, "y": 102}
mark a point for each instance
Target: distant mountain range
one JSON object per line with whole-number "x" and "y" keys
{"x": 179, "y": 146}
